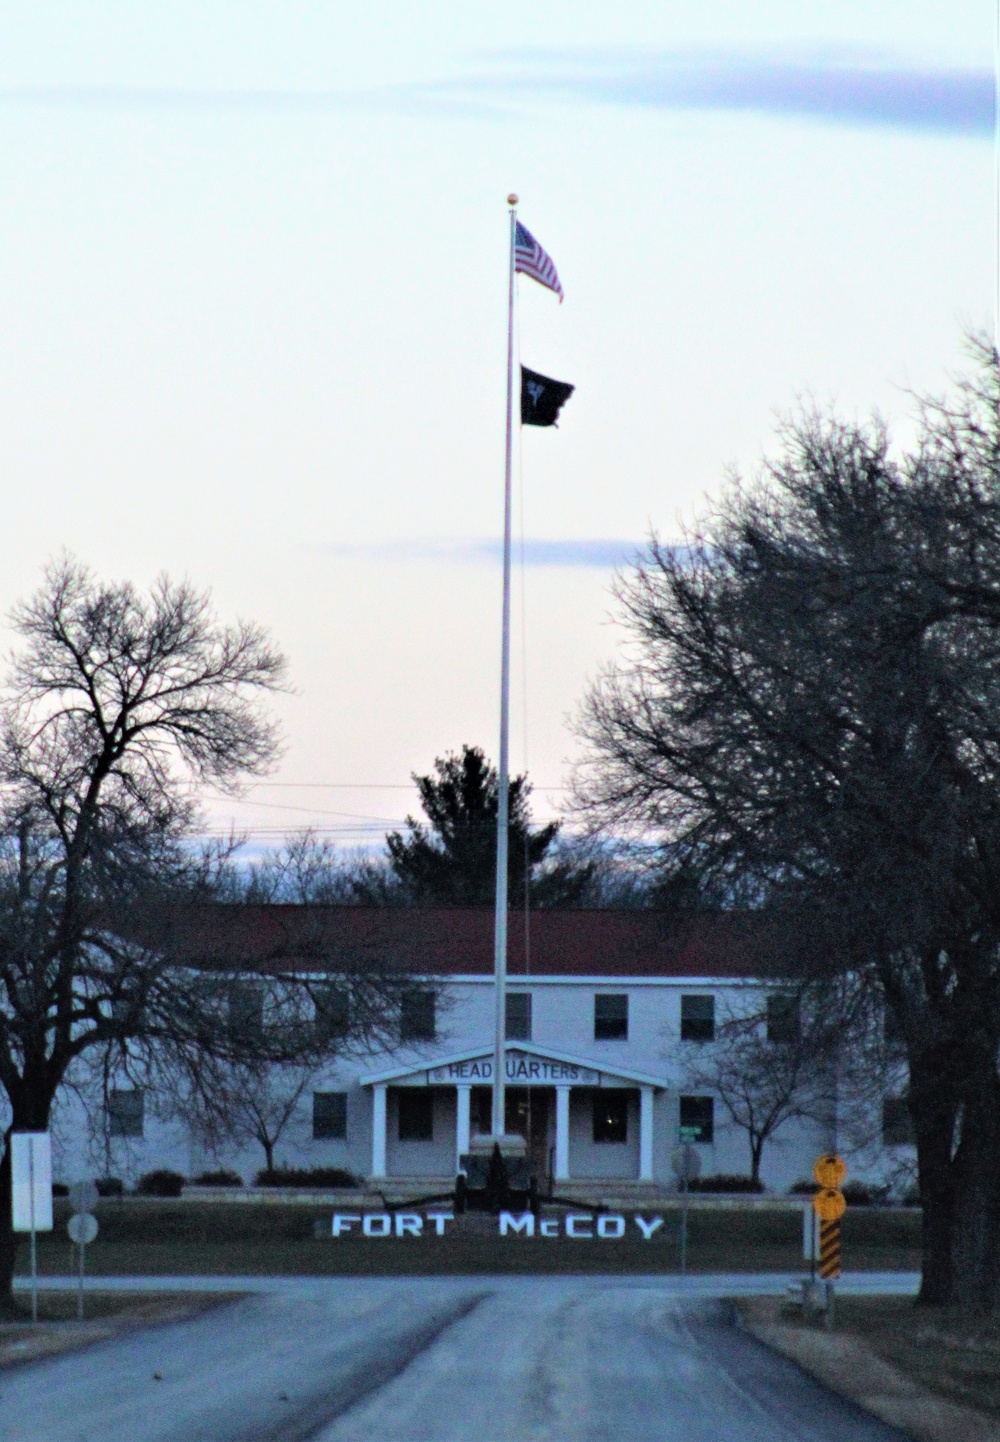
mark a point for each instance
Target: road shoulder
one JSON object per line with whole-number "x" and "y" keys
{"x": 848, "y": 1367}
{"x": 22, "y": 1343}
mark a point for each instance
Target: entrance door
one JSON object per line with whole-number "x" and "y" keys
{"x": 528, "y": 1110}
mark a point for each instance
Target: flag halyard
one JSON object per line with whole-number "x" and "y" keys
{"x": 531, "y": 259}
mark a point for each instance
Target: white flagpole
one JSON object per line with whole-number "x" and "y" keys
{"x": 500, "y": 921}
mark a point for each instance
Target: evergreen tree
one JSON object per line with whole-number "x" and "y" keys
{"x": 450, "y": 860}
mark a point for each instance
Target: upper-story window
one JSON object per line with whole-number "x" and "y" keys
{"x": 126, "y": 1112}
{"x": 611, "y": 1016}
{"x": 246, "y": 1010}
{"x": 518, "y": 1015}
{"x": 417, "y": 1016}
{"x": 697, "y": 1018}
{"x": 784, "y": 1019}
{"x": 333, "y": 1012}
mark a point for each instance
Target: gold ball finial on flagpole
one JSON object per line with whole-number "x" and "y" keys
{"x": 512, "y": 199}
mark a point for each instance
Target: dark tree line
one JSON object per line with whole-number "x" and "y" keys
{"x": 449, "y": 857}
{"x": 814, "y": 715}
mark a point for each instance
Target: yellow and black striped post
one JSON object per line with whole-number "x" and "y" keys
{"x": 829, "y": 1250}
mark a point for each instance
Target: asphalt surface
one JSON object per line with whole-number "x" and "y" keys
{"x": 463, "y": 1359}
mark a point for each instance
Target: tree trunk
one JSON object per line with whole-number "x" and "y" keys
{"x": 756, "y": 1152}
{"x": 976, "y": 1232}
{"x": 268, "y": 1146}
{"x": 33, "y": 1117}
{"x": 937, "y": 1284}
{"x": 8, "y": 1238}
{"x": 960, "y": 1191}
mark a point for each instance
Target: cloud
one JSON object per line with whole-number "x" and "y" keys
{"x": 581, "y": 555}
{"x": 843, "y": 88}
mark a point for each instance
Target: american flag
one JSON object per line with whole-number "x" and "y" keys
{"x": 531, "y": 259}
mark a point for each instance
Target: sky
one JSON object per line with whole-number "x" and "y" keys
{"x": 253, "y": 307}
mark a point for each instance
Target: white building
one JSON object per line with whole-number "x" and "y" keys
{"x": 608, "y": 1014}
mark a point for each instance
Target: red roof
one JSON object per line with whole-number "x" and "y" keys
{"x": 441, "y": 941}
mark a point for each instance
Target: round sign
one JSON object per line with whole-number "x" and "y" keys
{"x": 83, "y": 1196}
{"x": 82, "y": 1228}
{"x": 830, "y": 1170}
{"x": 829, "y": 1204}
{"x": 686, "y": 1163}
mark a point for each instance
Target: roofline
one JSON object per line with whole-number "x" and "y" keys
{"x": 604, "y": 979}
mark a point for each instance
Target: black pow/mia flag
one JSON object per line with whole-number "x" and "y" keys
{"x": 542, "y": 398}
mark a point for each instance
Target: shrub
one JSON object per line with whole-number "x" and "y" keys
{"x": 723, "y": 1183}
{"x": 803, "y": 1188}
{"x": 306, "y": 1177}
{"x": 110, "y": 1187}
{"x": 161, "y": 1183}
{"x": 911, "y": 1197}
{"x": 864, "y": 1194}
{"x": 60, "y": 1189}
{"x": 221, "y": 1178}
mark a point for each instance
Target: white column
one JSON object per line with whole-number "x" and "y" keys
{"x": 463, "y": 1097}
{"x": 378, "y": 1130}
{"x": 562, "y": 1134}
{"x": 645, "y": 1134}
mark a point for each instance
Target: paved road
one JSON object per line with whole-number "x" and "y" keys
{"x": 462, "y": 1359}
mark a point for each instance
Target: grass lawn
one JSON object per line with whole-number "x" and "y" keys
{"x": 945, "y": 1349}
{"x": 149, "y": 1238}
{"x": 106, "y": 1314}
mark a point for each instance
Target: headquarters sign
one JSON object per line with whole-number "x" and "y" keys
{"x": 520, "y": 1070}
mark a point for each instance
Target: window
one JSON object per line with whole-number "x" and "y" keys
{"x": 126, "y": 1008}
{"x": 897, "y": 1123}
{"x": 519, "y": 1016}
{"x": 697, "y": 1018}
{"x": 416, "y": 1016}
{"x": 697, "y": 1119}
{"x": 246, "y": 1010}
{"x": 126, "y": 1113}
{"x": 416, "y": 1114}
{"x": 610, "y": 1116}
{"x": 892, "y": 1032}
{"x": 333, "y": 1012}
{"x": 784, "y": 1023}
{"x": 611, "y": 1017}
{"x": 329, "y": 1116}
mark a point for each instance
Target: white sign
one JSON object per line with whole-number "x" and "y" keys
{"x": 31, "y": 1181}
{"x": 606, "y": 1226}
{"x": 82, "y": 1228}
{"x": 83, "y": 1196}
{"x": 519, "y": 1069}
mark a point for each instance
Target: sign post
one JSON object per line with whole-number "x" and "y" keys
{"x": 829, "y": 1205}
{"x": 82, "y": 1228}
{"x": 687, "y": 1168}
{"x": 31, "y": 1193}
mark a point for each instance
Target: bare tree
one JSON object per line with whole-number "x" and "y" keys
{"x": 765, "y": 1067}
{"x": 117, "y": 702}
{"x": 255, "y": 1103}
{"x": 308, "y": 870}
{"x": 811, "y": 705}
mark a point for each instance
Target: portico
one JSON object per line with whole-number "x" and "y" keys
{"x": 535, "y": 1070}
